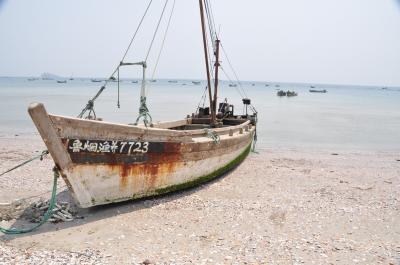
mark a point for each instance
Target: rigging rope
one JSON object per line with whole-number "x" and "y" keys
{"x": 211, "y": 28}
{"x": 143, "y": 109}
{"x": 89, "y": 106}
{"x": 163, "y": 41}
{"x": 202, "y": 99}
{"x": 230, "y": 81}
{"x": 237, "y": 78}
{"x": 233, "y": 70}
{"x": 155, "y": 32}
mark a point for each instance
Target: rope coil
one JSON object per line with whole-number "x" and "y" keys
{"x": 213, "y": 135}
{"x": 144, "y": 113}
{"x": 46, "y": 216}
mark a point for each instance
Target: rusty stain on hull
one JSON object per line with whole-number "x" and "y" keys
{"x": 152, "y": 165}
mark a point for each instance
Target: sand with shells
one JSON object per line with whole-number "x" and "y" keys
{"x": 280, "y": 206}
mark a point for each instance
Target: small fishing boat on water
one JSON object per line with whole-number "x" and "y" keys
{"x": 317, "y": 91}
{"x": 98, "y": 80}
{"x": 196, "y": 82}
{"x": 61, "y": 81}
{"x": 233, "y": 85}
{"x": 104, "y": 162}
{"x": 172, "y": 81}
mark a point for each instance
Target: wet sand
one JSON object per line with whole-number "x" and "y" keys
{"x": 281, "y": 206}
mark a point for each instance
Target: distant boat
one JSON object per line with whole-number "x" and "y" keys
{"x": 266, "y": 85}
{"x": 184, "y": 84}
{"x": 253, "y": 84}
{"x": 95, "y": 80}
{"x": 232, "y": 85}
{"x": 61, "y": 81}
{"x": 196, "y": 82}
{"x": 277, "y": 86}
{"x": 318, "y": 91}
{"x": 32, "y": 79}
{"x": 153, "y": 80}
{"x": 312, "y": 86}
{"x": 134, "y": 81}
{"x": 172, "y": 81}
{"x": 384, "y": 88}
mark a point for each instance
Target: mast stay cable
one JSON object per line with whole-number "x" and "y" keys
{"x": 143, "y": 109}
{"x": 162, "y": 44}
{"x": 89, "y": 106}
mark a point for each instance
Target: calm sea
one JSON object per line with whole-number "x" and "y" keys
{"x": 345, "y": 118}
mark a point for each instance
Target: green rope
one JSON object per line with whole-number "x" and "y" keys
{"x": 47, "y": 215}
{"x": 45, "y": 152}
{"x": 253, "y": 149}
{"x": 144, "y": 113}
{"x": 213, "y": 135}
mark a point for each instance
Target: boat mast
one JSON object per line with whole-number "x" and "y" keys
{"x": 217, "y": 41}
{"x": 203, "y": 29}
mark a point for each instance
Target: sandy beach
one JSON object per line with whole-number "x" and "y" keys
{"x": 280, "y": 206}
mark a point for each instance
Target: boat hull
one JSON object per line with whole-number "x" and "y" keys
{"x": 104, "y": 163}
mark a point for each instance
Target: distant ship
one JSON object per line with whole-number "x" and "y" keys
{"x": 172, "y": 81}
{"x": 318, "y": 91}
{"x": 196, "y": 82}
{"x": 232, "y": 85}
{"x": 95, "y": 80}
{"x": 61, "y": 81}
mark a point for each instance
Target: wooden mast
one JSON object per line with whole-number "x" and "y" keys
{"x": 217, "y": 41}
{"x": 203, "y": 29}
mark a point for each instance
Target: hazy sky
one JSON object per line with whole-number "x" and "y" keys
{"x": 317, "y": 41}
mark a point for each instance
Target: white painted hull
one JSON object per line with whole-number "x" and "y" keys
{"x": 168, "y": 159}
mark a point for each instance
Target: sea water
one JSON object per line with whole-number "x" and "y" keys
{"x": 346, "y": 117}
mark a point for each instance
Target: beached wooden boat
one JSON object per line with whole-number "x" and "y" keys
{"x": 103, "y": 162}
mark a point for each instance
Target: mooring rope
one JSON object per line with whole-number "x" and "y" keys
{"x": 43, "y": 153}
{"x": 253, "y": 149}
{"x": 46, "y": 216}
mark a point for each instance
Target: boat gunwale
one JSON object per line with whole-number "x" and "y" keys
{"x": 151, "y": 131}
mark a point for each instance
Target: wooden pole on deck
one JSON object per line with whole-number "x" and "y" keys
{"x": 203, "y": 29}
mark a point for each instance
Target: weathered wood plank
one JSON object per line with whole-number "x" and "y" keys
{"x": 49, "y": 135}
